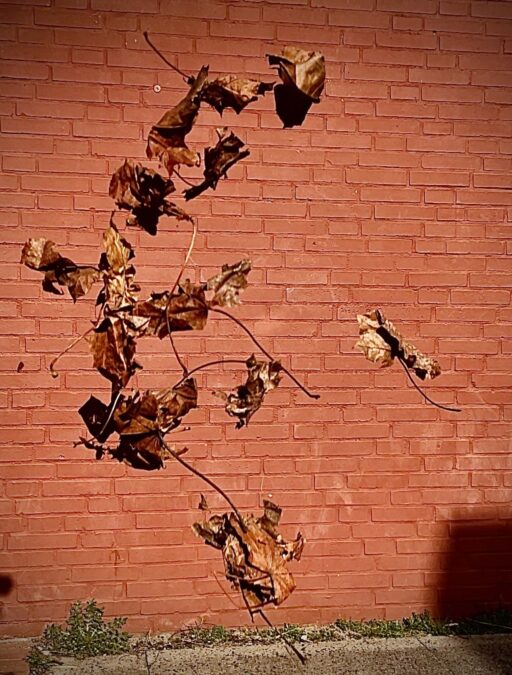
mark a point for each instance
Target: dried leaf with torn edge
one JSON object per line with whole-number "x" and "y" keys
{"x": 247, "y": 398}
{"x": 120, "y": 290}
{"x": 186, "y": 310}
{"x": 166, "y": 140}
{"x": 42, "y": 255}
{"x": 143, "y": 192}
{"x": 230, "y": 91}
{"x": 303, "y": 76}
{"x": 255, "y": 555}
{"x": 218, "y": 160}
{"x": 113, "y": 349}
{"x": 228, "y": 283}
{"x": 382, "y": 343}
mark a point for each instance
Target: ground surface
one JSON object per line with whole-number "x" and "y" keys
{"x": 482, "y": 655}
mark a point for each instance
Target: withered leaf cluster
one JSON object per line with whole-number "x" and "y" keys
{"x": 231, "y": 91}
{"x": 42, "y": 255}
{"x": 303, "y": 78}
{"x": 166, "y": 141}
{"x": 141, "y": 422}
{"x": 144, "y": 193}
{"x": 381, "y": 343}
{"x": 218, "y": 160}
{"x": 262, "y": 376}
{"x": 255, "y": 554}
{"x": 228, "y": 283}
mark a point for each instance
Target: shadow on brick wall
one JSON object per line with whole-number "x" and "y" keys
{"x": 478, "y": 568}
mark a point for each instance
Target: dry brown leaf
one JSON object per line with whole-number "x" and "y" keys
{"x": 113, "y": 349}
{"x": 218, "y": 160}
{"x": 228, "y": 284}
{"x": 186, "y": 310}
{"x": 254, "y": 554}
{"x": 382, "y": 343}
{"x": 230, "y": 91}
{"x": 141, "y": 420}
{"x": 303, "y": 76}
{"x": 42, "y": 255}
{"x": 120, "y": 290}
{"x": 143, "y": 192}
{"x": 262, "y": 376}
{"x": 166, "y": 140}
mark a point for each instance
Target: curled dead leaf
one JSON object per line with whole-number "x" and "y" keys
{"x": 166, "y": 140}
{"x": 228, "y": 283}
{"x": 42, "y": 255}
{"x": 230, "y": 91}
{"x": 303, "y": 77}
{"x": 247, "y": 398}
{"x": 254, "y": 553}
{"x": 141, "y": 420}
{"x": 186, "y": 310}
{"x": 119, "y": 293}
{"x": 143, "y": 192}
{"x": 381, "y": 343}
{"x": 113, "y": 349}
{"x": 218, "y": 160}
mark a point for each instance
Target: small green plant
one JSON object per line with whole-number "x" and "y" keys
{"x": 85, "y": 634}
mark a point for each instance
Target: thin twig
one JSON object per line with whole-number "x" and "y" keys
{"x": 206, "y": 365}
{"x": 261, "y": 348}
{"x": 185, "y": 180}
{"x": 187, "y": 258}
{"x": 427, "y": 398}
{"x": 225, "y": 592}
{"x": 200, "y": 475}
{"x": 178, "y": 357}
{"x": 113, "y": 406}
{"x": 188, "y": 79}
{"x": 294, "y": 649}
{"x": 178, "y": 278}
{"x": 51, "y": 367}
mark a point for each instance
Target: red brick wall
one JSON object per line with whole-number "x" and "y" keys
{"x": 394, "y": 193}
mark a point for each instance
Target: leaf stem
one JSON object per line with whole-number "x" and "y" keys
{"x": 261, "y": 348}
{"x": 206, "y": 365}
{"x": 287, "y": 642}
{"x": 188, "y": 79}
{"x": 51, "y": 367}
{"x": 185, "y": 180}
{"x": 207, "y": 480}
{"x": 168, "y": 304}
{"x": 427, "y": 398}
{"x": 178, "y": 357}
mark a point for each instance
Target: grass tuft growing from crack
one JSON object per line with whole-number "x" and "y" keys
{"x": 85, "y": 634}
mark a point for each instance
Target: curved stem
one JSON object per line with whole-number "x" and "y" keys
{"x": 178, "y": 357}
{"x": 427, "y": 398}
{"x": 113, "y": 406}
{"x": 185, "y": 262}
{"x": 178, "y": 278}
{"x": 51, "y": 367}
{"x": 262, "y": 349}
{"x": 185, "y": 180}
{"x": 289, "y": 644}
{"x": 207, "y": 480}
{"x": 188, "y": 79}
{"x": 206, "y": 365}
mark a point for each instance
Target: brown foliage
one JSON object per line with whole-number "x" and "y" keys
{"x": 381, "y": 343}
{"x": 303, "y": 76}
{"x": 42, "y": 255}
{"x": 254, "y": 553}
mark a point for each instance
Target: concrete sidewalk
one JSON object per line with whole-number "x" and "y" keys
{"x": 480, "y": 655}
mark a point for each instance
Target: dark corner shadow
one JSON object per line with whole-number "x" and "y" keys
{"x": 477, "y": 580}
{"x": 478, "y": 569}
{"x": 6, "y": 584}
